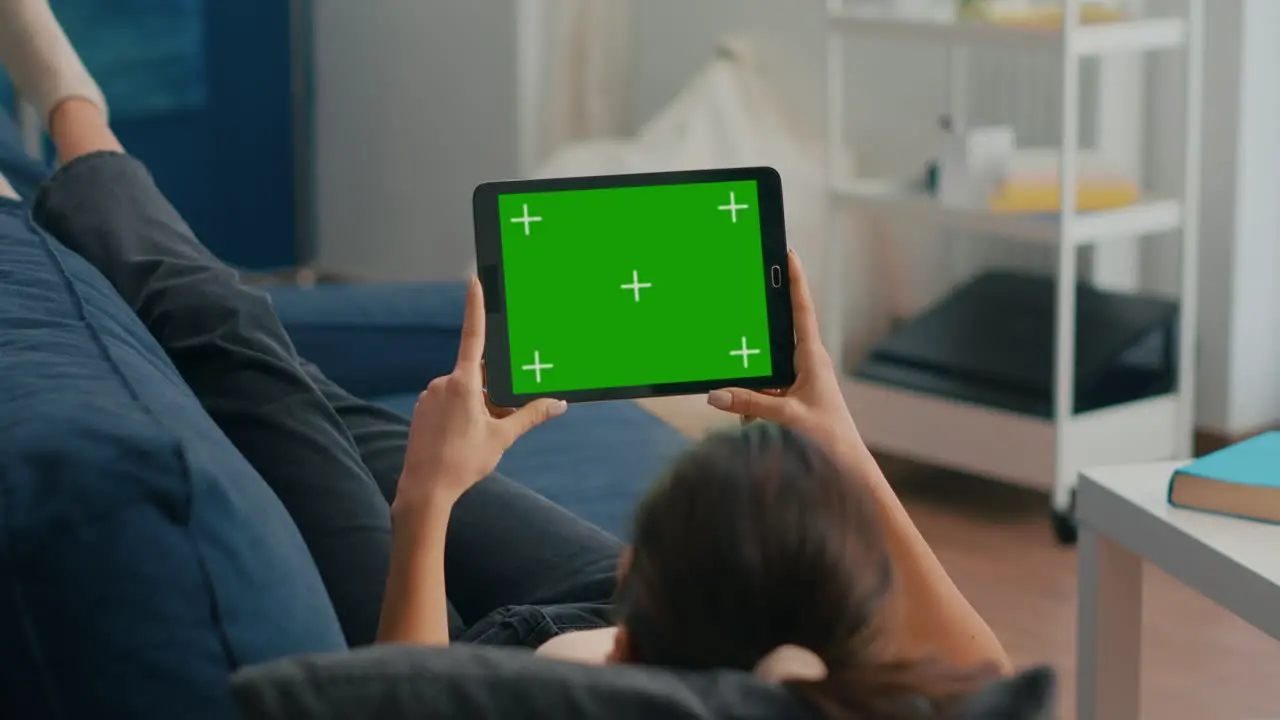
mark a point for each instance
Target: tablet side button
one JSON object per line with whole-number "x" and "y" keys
{"x": 775, "y": 275}
{"x": 492, "y": 293}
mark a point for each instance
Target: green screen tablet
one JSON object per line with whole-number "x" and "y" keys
{"x": 634, "y": 285}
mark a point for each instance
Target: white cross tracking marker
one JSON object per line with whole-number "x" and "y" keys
{"x": 537, "y": 367}
{"x": 526, "y": 219}
{"x": 733, "y": 206}
{"x": 636, "y": 284}
{"x": 744, "y": 352}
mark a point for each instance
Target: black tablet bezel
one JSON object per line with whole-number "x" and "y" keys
{"x": 773, "y": 248}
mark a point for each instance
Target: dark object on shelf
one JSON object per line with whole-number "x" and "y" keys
{"x": 991, "y": 343}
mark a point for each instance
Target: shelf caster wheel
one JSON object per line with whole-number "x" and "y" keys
{"x": 1064, "y": 528}
{"x": 1064, "y": 523}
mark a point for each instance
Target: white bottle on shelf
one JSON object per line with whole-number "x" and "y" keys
{"x": 973, "y": 163}
{"x": 934, "y": 10}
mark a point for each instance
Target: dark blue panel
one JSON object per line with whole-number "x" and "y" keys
{"x": 251, "y": 128}
{"x": 148, "y": 55}
{"x": 222, "y": 150}
{"x": 177, "y": 147}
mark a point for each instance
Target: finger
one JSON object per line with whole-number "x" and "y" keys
{"x": 497, "y": 410}
{"x": 436, "y": 385}
{"x": 471, "y": 348}
{"x": 803, "y": 311}
{"x": 531, "y": 416}
{"x": 748, "y": 419}
{"x": 750, "y": 403}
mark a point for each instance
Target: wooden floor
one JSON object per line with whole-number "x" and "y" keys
{"x": 1200, "y": 662}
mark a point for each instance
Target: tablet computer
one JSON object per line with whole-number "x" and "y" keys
{"x": 628, "y": 286}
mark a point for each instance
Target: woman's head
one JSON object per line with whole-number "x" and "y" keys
{"x": 757, "y": 539}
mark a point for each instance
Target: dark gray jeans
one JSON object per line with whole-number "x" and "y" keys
{"x": 518, "y": 568}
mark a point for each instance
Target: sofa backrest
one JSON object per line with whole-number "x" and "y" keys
{"x": 487, "y": 683}
{"x": 142, "y": 559}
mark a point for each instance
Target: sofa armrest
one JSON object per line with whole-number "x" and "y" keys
{"x": 375, "y": 339}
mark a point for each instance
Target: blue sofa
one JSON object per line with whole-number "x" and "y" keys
{"x": 142, "y": 559}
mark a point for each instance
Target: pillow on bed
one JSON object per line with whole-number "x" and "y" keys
{"x": 483, "y": 683}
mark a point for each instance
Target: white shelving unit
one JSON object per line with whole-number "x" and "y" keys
{"x": 1025, "y": 450}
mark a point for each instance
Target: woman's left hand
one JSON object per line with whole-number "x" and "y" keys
{"x": 457, "y": 437}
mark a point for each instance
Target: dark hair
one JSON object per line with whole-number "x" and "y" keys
{"x": 757, "y": 538}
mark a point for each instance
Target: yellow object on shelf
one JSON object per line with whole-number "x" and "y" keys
{"x": 1046, "y": 196}
{"x": 1045, "y": 17}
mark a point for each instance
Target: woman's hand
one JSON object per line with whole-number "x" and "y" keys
{"x": 926, "y": 614}
{"x": 814, "y": 405}
{"x": 457, "y": 437}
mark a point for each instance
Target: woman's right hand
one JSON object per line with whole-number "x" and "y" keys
{"x": 456, "y": 438}
{"x": 814, "y": 405}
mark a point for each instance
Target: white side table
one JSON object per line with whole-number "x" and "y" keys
{"x": 1125, "y": 519}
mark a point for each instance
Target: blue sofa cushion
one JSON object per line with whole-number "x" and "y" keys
{"x": 375, "y": 339}
{"x": 597, "y": 460}
{"x": 142, "y": 559}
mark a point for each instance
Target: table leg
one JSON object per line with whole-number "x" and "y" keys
{"x": 1109, "y": 633}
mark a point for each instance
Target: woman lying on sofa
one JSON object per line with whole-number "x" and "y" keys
{"x": 780, "y": 548}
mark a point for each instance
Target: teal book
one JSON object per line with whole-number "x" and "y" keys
{"x": 1242, "y": 480}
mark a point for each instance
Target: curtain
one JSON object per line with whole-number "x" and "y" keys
{"x": 587, "y": 84}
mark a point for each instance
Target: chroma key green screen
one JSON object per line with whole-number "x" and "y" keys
{"x": 621, "y": 287}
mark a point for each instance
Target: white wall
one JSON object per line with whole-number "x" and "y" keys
{"x": 673, "y": 38}
{"x": 415, "y": 105}
{"x": 1254, "y": 370}
{"x": 1238, "y": 383}
{"x": 1218, "y": 191}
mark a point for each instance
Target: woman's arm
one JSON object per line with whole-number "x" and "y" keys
{"x": 455, "y": 439}
{"x": 414, "y": 609}
{"x": 928, "y": 614}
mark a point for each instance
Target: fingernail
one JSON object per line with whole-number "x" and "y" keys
{"x": 720, "y": 399}
{"x": 559, "y": 408}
